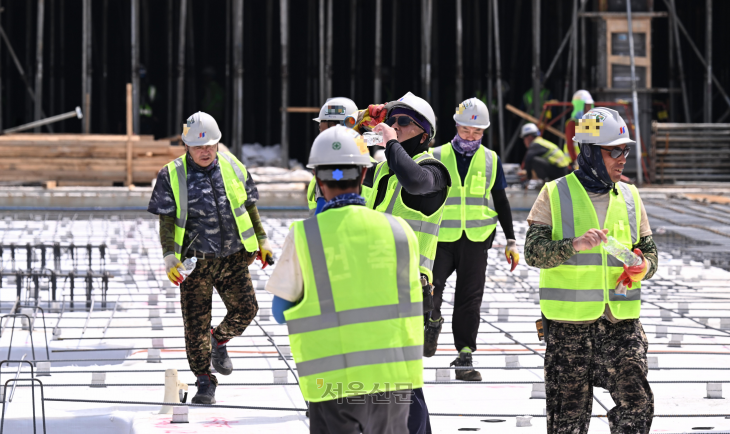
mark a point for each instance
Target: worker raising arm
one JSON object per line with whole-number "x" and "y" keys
{"x": 591, "y": 320}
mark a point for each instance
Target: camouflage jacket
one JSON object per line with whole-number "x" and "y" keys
{"x": 542, "y": 251}
{"x": 209, "y": 211}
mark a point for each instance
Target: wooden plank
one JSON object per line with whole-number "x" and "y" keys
{"x": 534, "y": 120}
{"x": 129, "y": 133}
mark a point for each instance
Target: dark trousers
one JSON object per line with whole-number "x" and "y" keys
{"x": 611, "y": 356}
{"x": 378, "y": 413}
{"x": 419, "y": 421}
{"x": 232, "y": 280}
{"x": 469, "y": 260}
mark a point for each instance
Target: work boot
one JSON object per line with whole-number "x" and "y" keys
{"x": 206, "y": 390}
{"x": 464, "y": 359}
{"x": 221, "y": 361}
{"x": 431, "y": 336}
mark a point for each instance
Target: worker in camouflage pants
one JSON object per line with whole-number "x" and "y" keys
{"x": 590, "y": 236}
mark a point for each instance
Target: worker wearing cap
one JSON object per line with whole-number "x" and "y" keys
{"x": 356, "y": 327}
{"x": 414, "y": 185}
{"x": 590, "y": 300}
{"x": 582, "y": 102}
{"x": 332, "y": 113}
{"x": 476, "y": 201}
{"x": 206, "y": 201}
{"x": 544, "y": 159}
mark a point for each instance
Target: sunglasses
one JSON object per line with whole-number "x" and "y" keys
{"x": 403, "y": 121}
{"x": 616, "y": 152}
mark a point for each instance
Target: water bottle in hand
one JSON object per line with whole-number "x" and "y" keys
{"x": 618, "y": 251}
{"x": 189, "y": 267}
{"x": 373, "y": 139}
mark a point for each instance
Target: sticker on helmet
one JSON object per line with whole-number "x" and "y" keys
{"x": 336, "y": 146}
{"x": 335, "y": 110}
{"x": 600, "y": 117}
{"x": 337, "y": 174}
{"x": 589, "y": 126}
{"x": 460, "y": 109}
{"x": 201, "y": 135}
{"x": 361, "y": 145}
{"x": 191, "y": 121}
{"x": 185, "y": 129}
{"x": 621, "y": 130}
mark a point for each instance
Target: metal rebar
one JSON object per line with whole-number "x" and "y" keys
{"x": 91, "y": 309}
{"x": 17, "y": 374}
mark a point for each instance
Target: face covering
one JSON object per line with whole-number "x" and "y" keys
{"x": 465, "y": 147}
{"x": 413, "y": 146}
{"x": 592, "y": 172}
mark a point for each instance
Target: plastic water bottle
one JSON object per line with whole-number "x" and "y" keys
{"x": 189, "y": 267}
{"x": 372, "y": 138}
{"x": 618, "y": 251}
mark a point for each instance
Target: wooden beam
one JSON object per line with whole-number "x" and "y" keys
{"x": 527, "y": 117}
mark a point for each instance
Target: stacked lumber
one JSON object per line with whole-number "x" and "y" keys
{"x": 690, "y": 152}
{"x": 100, "y": 159}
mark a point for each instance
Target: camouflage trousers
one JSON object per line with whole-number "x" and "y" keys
{"x": 611, "y": 356}
{"x": 231, "y": 278}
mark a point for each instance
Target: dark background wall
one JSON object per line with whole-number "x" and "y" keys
{"x": 208, "y": 54}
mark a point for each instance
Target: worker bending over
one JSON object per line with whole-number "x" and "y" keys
{"x": 207, "y": 206}
{"x": 591, "y": 320}
{"x": 356, "y": 330}
{"x": 544, "y": 159}
{"x": 475, "y": 202}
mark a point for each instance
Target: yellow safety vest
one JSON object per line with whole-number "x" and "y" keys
{"x": 426, "y": 227}
{"x": 359, "y": 327}
{"x": 234, "y": 177}
{"x": 554, "y": 155}
{"x": 579, "y": 289}
{"x": 469, "y": 207}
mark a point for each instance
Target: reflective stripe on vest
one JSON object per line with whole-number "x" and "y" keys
{"x": 426, "y": 227}
{"x": 177, "y": 170}
{"x": 463, "y": 213}
{"x": 330, "y": 331}
{"x": 554, "y": 155}
{"x": 580, "y": 288}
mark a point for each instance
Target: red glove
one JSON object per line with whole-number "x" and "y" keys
{"x": 635, "y": 273}
{"x": 375, "y": 115}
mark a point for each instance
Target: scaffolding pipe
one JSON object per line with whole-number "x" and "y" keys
{"x": 284, "y": 29}
{"x": 135, "y": 64}
{"x": 566, "y": 38}
{"x": 708, "y": 57}
{"x": 321, "y": 22}
{"x": 328, "y": 60}
{"x": 678, "y": 46}
{"x": 498, "y": 66}
{"x": 39, "y": 66}
{"x": 536, "y": 109}
{"x": 459, "y": 55}
{"x": 181, "y": 63}
{"x": 85, "y": 62}
{"x": 237, "y": 136}
{"x": 37, "y": 124}
{"x": 170, "y": 20}
{"x": 490, "y": 55}
{"x": 635, "y": 99}
{"x": 378, "y": 51}
{"x": 426, "y": 14}
{"x": 353, "y": 48}
{"x": 574, "y": 80}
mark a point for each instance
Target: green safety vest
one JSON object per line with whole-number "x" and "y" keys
{"x": 312, "y": 191}
{"x": 579, "y": 289}
{"x": 234, "y": 177}
{"x": 359, "y": 327}
{"x": 554, "y": 155}
{"x": 469, "y": 207}
{"x": 426, "y": 227}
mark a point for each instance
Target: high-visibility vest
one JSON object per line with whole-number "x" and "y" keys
{"x": 234, "y": 177}
{"x": 426, "y": 227}
{"x": 579, "y": 289}
{"x": 469, "y": 207}
{"x": 359, "y": 327}
{"x": 554, "y": 155}
{"x": 312, "y": 191}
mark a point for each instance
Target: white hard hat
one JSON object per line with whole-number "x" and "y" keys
{"x": 420, "y": 106}
{"x": 336, "y": 109}
{"x": 201, "y": 130}
{"x": 339, "y": 146}
{"x": 472, "y": 113}
{"x": 603, "y": 127}
{"x": 584, "y": 96}
{"x": 529, "y": 129}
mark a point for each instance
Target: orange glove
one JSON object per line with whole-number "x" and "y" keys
{"x": 635, "y": 273}
{"x": 512, "y": 255}
{"x": 374, "y": 115}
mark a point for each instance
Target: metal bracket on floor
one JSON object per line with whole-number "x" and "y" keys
{"x": 43, "y": 407}
{"x": 12, "y": 332}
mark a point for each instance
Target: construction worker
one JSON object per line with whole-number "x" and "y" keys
{"x": 475, "y": 202}
{"x": 356, "y": 330}
{"x": 333, "y": 112}
{"x": 582, "y": 102}
{"x": 544, "y": 159}
{"x": 207, "y": 206}
{"x": 590, "y": 300}
{"x": 414, "y": 185}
